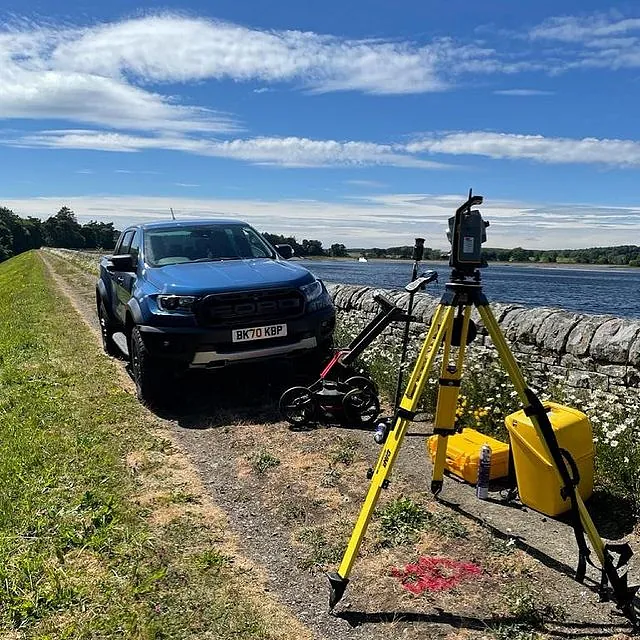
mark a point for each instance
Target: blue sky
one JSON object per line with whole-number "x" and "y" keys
{"x": 356, "y": 122}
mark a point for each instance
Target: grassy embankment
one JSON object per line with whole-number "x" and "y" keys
{"x": 98, "y": 536}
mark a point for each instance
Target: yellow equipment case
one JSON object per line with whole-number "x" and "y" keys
{"x": 463, "y": 455}
{"x": 538, "y": 481}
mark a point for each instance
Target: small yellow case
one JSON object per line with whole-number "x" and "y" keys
{"x": 538, "y": 481}
{"x": 463, "y": 455}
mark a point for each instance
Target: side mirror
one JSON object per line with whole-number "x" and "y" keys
{"x": 124, "y": 262}
{"x": 285, "y": 250}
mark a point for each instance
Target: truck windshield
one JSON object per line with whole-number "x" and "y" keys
{"x": 201, "y": 243}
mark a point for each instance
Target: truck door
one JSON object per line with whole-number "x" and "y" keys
{"x": 125, "y": 280}
{"x": 116, "y": 277}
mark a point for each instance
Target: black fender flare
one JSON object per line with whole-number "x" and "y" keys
{"x": 102, "y": 295}
{"x": 133, "y": 308}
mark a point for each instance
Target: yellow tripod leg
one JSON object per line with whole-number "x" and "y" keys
{"x": 613, "y": 571}
{"x": 441, "y": 320}
{"x": 447, "y": 403}
{"x": 519, "y": 383}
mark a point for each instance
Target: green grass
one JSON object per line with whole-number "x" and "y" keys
{"x": 321, "y": 549}
{"x": 401, "y": 520}
{"x": 343, "y": 451}
{"x": 77, "y": 557}
{"x": 262, "y": 461}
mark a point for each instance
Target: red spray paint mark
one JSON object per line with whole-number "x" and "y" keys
{"x": 434, "y": 574}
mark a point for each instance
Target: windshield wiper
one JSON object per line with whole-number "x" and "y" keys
{"x": 217, "y": 259}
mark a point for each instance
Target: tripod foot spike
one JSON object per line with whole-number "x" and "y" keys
{"x": 338, "y": 586}
{"x": 629, "y": 609}
{"x": 436, "y": 487}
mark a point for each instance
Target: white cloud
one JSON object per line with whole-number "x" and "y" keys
{"x": 583, "y": 28}
{"x": 376, "y": 220}
{"x": 92, "y": 99}
{"x": 304, "y": 152}
{"x": 374, "y": 184}
{"x": 601, "y": 40}
{"x": 101, "y": 75}
{"x": 34, "y": 86}
{"x": 532, "y": 147}
{"x": 172, "y": 48}
{"x": 523, "y": 92}
{"x": 286, "y": 152}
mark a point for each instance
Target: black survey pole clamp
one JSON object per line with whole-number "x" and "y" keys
{"x": 418, "y": 253}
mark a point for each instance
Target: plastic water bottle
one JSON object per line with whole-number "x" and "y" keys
{"x": 381, "y": 432}
{"x": 484, "y": 472}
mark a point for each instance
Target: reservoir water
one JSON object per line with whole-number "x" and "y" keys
{"x": 581, "y": 288}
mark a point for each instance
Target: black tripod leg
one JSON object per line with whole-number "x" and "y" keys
{"x": 581, "y": 520}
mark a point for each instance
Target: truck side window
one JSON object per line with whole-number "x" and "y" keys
{"x": 124, "y": 244}
{"x": 134, "y": 247}
{"x": 256, "y": 248}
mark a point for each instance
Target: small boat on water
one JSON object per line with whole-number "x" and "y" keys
{"x": 362, "y": 259}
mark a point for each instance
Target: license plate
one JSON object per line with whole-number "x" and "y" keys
{"x": 259, "y": 333}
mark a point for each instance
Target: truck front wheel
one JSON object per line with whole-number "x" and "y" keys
{"x": 106, "y": 331}
{"x": 148, "y": 373}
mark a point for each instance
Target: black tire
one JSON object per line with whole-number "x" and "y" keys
{"x": 298, "y": 406}
{"x": 107, "y": 331}
{"x": 361, "y": 407}
{"x": 148, "y": 373}
{"x": 361, "y": 382}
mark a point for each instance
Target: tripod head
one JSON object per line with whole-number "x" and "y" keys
{"x": 466, "y": 234}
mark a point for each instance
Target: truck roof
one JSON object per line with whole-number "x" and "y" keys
{"x": 200, "y": 222}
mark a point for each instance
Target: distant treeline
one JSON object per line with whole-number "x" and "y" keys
{"x": 308, "y": 247}
{"x": 61, "y": 230}
{"x": 620, "y": 255}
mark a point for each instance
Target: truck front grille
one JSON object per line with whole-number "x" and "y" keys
{"x": 249, "y": 307}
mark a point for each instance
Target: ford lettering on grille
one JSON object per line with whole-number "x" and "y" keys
{"x": 240, "y": 308}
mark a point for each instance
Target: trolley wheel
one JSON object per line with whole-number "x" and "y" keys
{"x": 361, "y": 406}
{"x": 362, "y": 383}
{"x": 298, "y": 406}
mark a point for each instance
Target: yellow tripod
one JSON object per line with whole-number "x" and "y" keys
{"x": 453, "y": 333}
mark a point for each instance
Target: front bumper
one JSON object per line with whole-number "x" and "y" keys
{"x": 198, "y": 348}
{"x": 208, "y": 359}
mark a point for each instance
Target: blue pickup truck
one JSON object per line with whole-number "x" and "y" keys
{"x": 204, "y": 294}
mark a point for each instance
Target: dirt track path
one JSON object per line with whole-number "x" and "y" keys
{"x": 221, "y": 431}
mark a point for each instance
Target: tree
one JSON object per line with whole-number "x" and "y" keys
{"x": 519, "y": 255}
{"x": 313, "y": 248}
{"x": 338, "y": 251}
{"x": 6, "y": 242}
{"x": 99, "y": 235}
{"x": 63, "y": 230}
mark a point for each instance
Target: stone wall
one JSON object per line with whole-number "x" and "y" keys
{"x": 584, "y": 351}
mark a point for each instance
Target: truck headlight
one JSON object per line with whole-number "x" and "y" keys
{"x": 312, "y": 290}
{"x": 176, "y": 303}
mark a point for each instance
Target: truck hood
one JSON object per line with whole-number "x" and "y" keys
{"x": 197, "y": 278}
